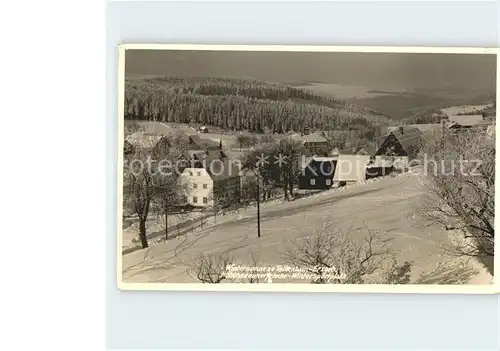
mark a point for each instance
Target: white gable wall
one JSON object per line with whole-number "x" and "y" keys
{"x": 193, "y": 186}
{"x": 351, "y": 168}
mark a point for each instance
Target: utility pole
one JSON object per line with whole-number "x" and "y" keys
{"x": 258, "y": 206}
{"x": 442, "y": 133}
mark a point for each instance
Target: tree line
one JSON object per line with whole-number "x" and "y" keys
{"x": 247, "y": 87}
{"x": 242, "y": 105}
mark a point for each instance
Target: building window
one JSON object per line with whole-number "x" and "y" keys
{"x": 312, "y": 181}
{"x": 195, "y": 199}
{"x": 195, "y": 185}
{"x": 205, "y": 186}
{"x": 191, "y": 174}
{"x": 205, "y": 200}
{"x": 198, "y": 174}
{"x": 328, "y": 182}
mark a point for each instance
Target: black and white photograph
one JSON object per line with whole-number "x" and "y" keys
{"x": 307, "y": 168}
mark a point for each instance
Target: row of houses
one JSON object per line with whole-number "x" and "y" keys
{"x": 363, "y": 162}
{"x": 207, "y": 176}
{"x": 211, "y": 179}
{"x": 397, "y": 146}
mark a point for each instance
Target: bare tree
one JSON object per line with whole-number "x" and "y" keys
{"x": 277, "y": 165}
{"x": 168, "y": 198}
{"x": 291, "y": 153}
{"x": 211, "y": 268}
{"x": 335, "y": 256}
{"x": 462, "y": 187}
{"x": 450, "y": 272}
{"x": 146, "y": 180}
{"x": 254, "y": 278}
{"x": 138, "y": 191}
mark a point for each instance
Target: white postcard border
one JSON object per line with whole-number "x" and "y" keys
{"x": 289, "y": 287}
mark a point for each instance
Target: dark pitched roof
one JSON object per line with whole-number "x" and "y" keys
{"x": 409, "y": 137}
{"x": 201, "y": 143}
{"x": 216, "y": 162}
{"x": 222, "y": 170}
{"x": 219, "y": 166}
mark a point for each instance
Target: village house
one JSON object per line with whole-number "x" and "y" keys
{"x": 210, "y": 179}
{"x": 400, "y": 146}
{"x": 314, "y": 143}
{"x": 317, "y": 173}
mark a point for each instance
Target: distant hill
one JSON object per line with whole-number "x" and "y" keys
{"x": 243, "y": 104}
{"x": 413, "y": 103}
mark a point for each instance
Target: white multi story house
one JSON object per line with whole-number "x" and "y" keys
{"x": 211, "y": 179}
{"x": 198, "y": 186}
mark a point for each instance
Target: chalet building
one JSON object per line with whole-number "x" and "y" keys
{"x": 211, "y": 179}
{"x": 156, "y": 145}
{"x": 317, "y": 173}
{"x": 314, "y": 143}
{"x": 400, "y": 145}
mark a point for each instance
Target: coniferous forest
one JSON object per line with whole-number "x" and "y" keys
{"x": 243, "y": 104}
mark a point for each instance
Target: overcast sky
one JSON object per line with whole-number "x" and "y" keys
{"x": 376, "y": 70}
